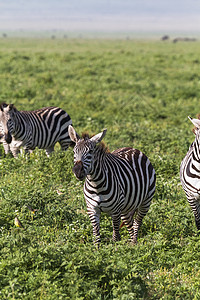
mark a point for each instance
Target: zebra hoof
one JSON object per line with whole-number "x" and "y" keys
{"x": 133, "y": 242}
{"x": 198, "y": 225}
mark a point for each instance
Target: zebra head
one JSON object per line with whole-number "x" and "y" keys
{"x": 6, "y": 111}
{"x": 196, "y": 123}
{"x": 84, "y": 151}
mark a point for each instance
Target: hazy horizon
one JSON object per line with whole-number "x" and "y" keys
{"x": 101, "y": 16}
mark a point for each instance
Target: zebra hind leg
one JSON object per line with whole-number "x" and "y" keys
{"x": 49, "y": 150}
{"x": 141, "y": 213}
{"x": 127, "y": 217}
{"x": 64, "y": 145}
{"x": 195, "y": 206}
{"x": 116, "y": 224}
{"x": 128, "y": 221}
{"x": 27, "y": 152}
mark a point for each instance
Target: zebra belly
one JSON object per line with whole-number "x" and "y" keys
{"x": 102, "y": 203}
{"x": 110, "y": 206}
{"x": 117, "y": 200}
{"x": 192, "y": 189}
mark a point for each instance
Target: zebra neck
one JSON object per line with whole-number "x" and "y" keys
{"x": 99, "y": 170}
{"x": 20, "y": 124}
{"x": 196, "y": 154}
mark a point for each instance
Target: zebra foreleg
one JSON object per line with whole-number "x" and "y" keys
{"x": 95, "y": 220}
{"x": 195, "y": 205}
{"x": 116, "y": 224}
{"x": 15, "y": 151}
{"x": 6, "y": 147}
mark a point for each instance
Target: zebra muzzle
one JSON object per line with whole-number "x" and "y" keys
{"x": 78, "y": 170}
{"x": 8, "y": 138}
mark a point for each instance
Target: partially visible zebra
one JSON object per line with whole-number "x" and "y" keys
{"x": 118, "y": 183}
{"x": 190, "y": 173}
{"x": 41, "y": 128}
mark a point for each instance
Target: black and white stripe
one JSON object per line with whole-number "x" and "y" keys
{"x": 8, "y": 148}
{"x": 41, "y": 128}
{"x": 118, "y": 183}
{"x": 3, "y": 141}
{"x": 190, "y": 174}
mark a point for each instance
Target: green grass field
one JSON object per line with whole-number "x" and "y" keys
{"x": 142, "y": 92}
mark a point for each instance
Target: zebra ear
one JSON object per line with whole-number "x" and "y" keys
{"x": 3, "y": 105}
{"x": 196, "y": 122}
{"x": 98, "y": 137}
{"x": 72, "y": 134}
{"x": 10, "y": 106}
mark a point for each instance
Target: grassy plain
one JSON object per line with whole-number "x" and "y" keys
{"x": 142, "y": 92}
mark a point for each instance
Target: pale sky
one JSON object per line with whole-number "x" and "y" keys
{"x": 101, "y": 15}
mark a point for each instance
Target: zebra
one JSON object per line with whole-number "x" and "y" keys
{"x": 190, "y": 173}
{"x": 118, "y": 183}
{"x": 41, "y": 128}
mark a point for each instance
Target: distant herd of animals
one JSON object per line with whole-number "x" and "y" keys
{"x": 178, "y": 39}
{"x": 121, "y": 183}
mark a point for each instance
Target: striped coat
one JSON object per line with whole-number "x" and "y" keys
{"x": 8, "y": 148}
{"x": 117, "y": 183}
{"x": 190, "y": 174}
{"x": 41, "y": 128}
{"x": 3, "y": 141}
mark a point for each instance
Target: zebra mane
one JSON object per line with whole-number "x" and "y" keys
{"x": 101, "y": 145}
{"x": 86, "y": 136}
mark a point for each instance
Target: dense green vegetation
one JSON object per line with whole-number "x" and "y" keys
{"x": 142, "y": 92}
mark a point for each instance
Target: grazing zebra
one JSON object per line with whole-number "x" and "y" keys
{"x": 118, "y": 183}
{"x": 190, "y": 173}
{"x": 41, "y": 128}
